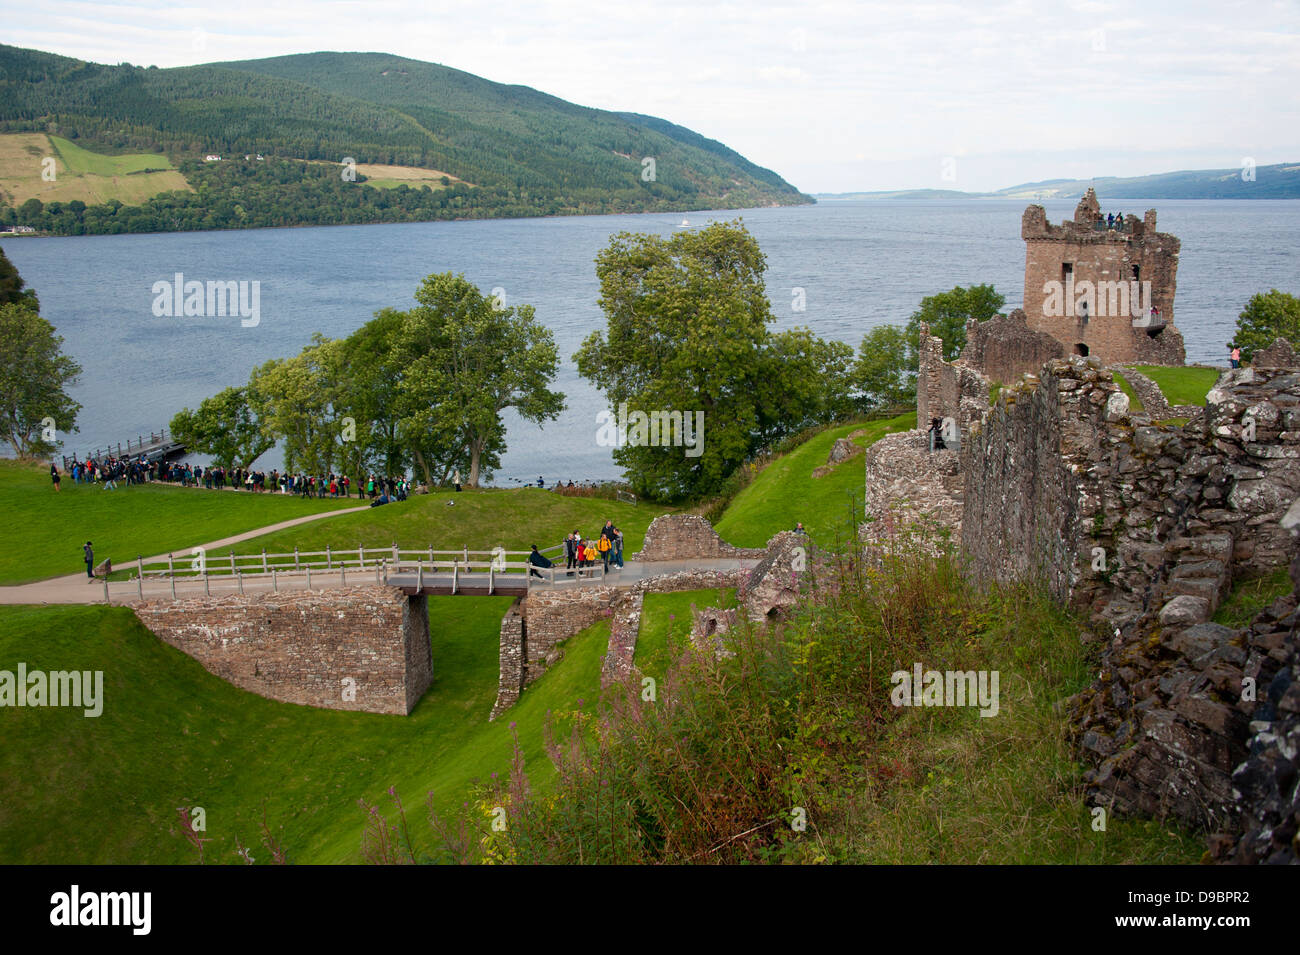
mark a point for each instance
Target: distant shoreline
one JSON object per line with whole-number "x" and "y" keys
{"x": 361, "y": 225}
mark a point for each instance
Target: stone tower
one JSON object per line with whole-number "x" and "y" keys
{"x": 1093, "y": 285}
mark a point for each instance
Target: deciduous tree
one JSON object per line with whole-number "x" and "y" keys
{"x": 1267, "y": 317}
{"x": 465, "y": 360}
{"x": 224, "y": 427}
{"x": 881, "y": 373}
{"x": 34, "y": 378}
{"x": 947, "y": 312}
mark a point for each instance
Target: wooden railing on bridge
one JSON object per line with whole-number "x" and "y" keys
{"x": 332, "y": 567}
{"x": 157, "y": 440}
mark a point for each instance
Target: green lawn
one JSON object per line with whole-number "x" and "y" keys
{"x": 663, "y": 615}
{"x": 43, "y": 531}
{"x": 785, "y": 492}
{"x": 1182, "y": 385}
{"x": 105, "y": 790}
{"x": 1134, "y": 402}
{"x": 80, "y": 160}
{"x": 480, "y": 520}
{"x": 102, "y": 790}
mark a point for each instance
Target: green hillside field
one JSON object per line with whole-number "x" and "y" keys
{"x": 107, "y": 789}
{"x": 527, "y": 153}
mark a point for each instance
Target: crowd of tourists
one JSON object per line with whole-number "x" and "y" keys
{"x": 106, "y": 472}
{"x": 109, "y": 470}
{"x": 582, "y": 554}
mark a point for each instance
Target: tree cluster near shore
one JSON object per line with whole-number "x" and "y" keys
{"x": 35, "y": 375}
{"x": 888, "y": 359}
{"x": 1267, "y": 317}
{"x": 686, "y": 346}
{"x": 420, "y": 390}
{"x": 686, "y": 333}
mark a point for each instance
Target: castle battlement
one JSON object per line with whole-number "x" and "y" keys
{"x": 1101, "y": 288}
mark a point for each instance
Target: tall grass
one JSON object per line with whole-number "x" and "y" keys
{"x": 787, "y": 747}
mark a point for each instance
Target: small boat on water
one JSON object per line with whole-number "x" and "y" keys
{"x": 686, "y": 224}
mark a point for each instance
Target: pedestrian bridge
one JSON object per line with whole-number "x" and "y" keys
{"x": 416, "y": 572}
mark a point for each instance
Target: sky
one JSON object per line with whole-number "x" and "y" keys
{"x": 834, "y": 96}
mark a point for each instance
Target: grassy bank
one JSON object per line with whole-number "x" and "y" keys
{"x": 43, "y": 530}
{"x": 785, "y": 492}
{"x": 711, "y": 770}
{"x": 106, "y": 789}
{"x": 480, "y": 520}
{"x": 793, "y": 747}
{"x": 1182, "y": 385}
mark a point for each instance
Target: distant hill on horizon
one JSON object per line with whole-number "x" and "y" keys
{"x": 1277, "y": 181}
{"x": 505, "y": 150}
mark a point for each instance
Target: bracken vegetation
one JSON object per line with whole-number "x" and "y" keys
{"x": 786, "y": 747}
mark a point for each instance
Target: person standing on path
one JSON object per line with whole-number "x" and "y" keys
{"x": 603, "y": 547}
{"x": 570, "y": 553}
{"x": 88, "y": 554}
{"x": 618, "y": 547}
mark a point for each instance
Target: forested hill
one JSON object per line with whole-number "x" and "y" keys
{"x": 515, "y": 150}
{"x": 484, "y": 130}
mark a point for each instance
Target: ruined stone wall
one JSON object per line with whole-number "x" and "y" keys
{"x": 907, "y": 483}
{"x": 512, "y": 650}
{"x": 301, "y": 646}
{"x": 1145, "y": 528}
{"x": 1021, "y": 497}
{"x": 1004, "y": 348}
{"x": 1101, "y": 256}
{"x": 1059, "y": 468}
{"x": 687, "y": 537}
{"x": 947, "y": 389}
{"x": 542, "y": 621}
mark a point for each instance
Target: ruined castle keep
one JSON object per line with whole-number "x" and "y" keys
{"x": 1092, "y": 286}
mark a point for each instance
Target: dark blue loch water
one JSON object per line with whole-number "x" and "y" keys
{"x": 861, "y": 264}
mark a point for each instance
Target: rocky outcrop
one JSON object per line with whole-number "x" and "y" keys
{"x": 842, "y": 450}
{"x": 1168, "y": 720}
